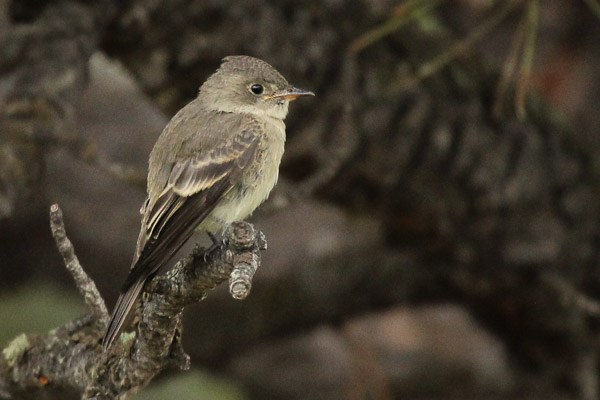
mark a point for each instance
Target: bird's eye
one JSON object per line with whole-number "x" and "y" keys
{"x": 257, "y": 88}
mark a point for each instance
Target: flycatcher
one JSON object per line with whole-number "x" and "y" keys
{"x": 214, "y": 163}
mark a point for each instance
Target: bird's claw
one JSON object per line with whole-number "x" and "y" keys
{"x": 216, "y": 243}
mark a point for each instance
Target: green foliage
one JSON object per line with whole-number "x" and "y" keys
{"x": 37, "y": 307}
{"x": 190, "y": 385}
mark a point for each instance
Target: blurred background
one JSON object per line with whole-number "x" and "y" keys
{"x": 434, "y": 234}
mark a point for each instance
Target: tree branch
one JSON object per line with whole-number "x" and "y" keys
{"x": 84, "y": 284}
{"x": 71, "y": 357}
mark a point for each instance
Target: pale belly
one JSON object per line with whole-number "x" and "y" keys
{"x": 244, "y": 198}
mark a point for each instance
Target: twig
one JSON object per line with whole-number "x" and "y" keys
{"x": 587, "y": 375}
{"x": 405, "y": 14}
{"x": 594, "y": 7}
{"x": 509, "y": 68}
{"x": 246, "y": 264}
{"x": 533, "y": 11}
{"x": 434, "y": 65}
{"x": 342, "y": 145}
{"x": 85, "y": 285}
{"x": 588, "y": 305}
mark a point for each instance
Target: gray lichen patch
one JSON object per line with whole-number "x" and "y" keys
{"x": 15, "y": 348}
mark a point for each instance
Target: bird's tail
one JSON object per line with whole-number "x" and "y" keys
{"x": 122, "y": 310}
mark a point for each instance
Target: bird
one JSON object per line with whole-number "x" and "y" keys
{"x": 214, "y": 163}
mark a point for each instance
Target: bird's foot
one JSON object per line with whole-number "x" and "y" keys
{"x": 217, "y": 241}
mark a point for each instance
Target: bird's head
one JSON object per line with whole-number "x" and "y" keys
{"x": 246, "y": 84}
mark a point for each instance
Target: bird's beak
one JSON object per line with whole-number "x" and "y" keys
{"x": 291, "y": 93}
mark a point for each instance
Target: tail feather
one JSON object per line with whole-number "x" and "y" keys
{"x": 121, "y": 312}
{"x": 181, "y": 216}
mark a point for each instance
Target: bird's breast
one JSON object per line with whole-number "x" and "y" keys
{"x": 259, "y": 178}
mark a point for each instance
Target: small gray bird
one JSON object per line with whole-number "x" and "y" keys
{"x": 214, "y": 163}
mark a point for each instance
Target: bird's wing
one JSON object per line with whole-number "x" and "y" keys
{"x": 194, "y": 188}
